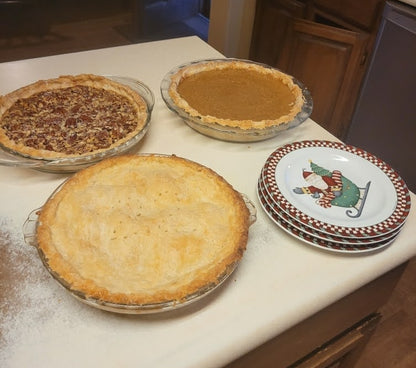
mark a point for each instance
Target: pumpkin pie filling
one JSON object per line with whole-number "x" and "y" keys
{"x": 236, "y": 93}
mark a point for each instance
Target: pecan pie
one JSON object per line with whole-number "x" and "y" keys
{"x": 138, "y": 229}
{"x": 70, "y": 116}
{"x": 236, "y": 93}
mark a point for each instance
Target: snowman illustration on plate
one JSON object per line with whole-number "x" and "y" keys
{"x": 331, "y": 188}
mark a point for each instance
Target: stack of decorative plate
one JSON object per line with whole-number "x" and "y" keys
{"x": 334, "y": 196}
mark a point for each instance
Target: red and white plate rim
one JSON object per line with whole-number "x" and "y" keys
{"x": 391, "y": 223}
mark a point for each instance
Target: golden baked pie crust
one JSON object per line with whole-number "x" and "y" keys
{"x": 89, "y": 80}
{"x": 244, "y": 124}
{"x": 143, "y": 229}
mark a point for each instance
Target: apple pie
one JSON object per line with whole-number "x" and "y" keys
{"x": 143, "y": 229}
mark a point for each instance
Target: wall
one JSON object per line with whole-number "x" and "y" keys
{"x": 231, "y": 24}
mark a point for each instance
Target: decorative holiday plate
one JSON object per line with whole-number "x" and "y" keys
{"x": 320, "y": 243}
{"x": 284, "y": 216}
{"x": 336, "y": 189}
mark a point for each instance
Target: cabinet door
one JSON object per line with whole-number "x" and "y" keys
{"x": 330, "y": 62}
{"x": 272, "y": 21}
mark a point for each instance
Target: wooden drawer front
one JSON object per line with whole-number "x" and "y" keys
{"x": 302, "y": 342}
{"x": 343, "y": 351}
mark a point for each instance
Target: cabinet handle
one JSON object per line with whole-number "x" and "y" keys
{"x": 364, "y": 58}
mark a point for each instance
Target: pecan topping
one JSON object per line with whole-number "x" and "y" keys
{"x": 73, "y": 120}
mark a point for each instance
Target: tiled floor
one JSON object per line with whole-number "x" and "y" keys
{"x": 79, "y": 26}
{"x": 69, "y": 29}
{"x": 64, "y": 38}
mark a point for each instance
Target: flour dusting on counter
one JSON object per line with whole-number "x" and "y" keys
{"x": 25, "y": 301}
{"x": 40, "y": 321}
{"x": 29, "y": 298}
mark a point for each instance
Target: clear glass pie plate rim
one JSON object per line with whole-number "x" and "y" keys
{"x": 29, "y": 234}
{"x": 229, "y": 133}
{"x": 67, "y": 165}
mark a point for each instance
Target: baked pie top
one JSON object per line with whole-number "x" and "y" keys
{"x": 143, "y": 229}
{"x": 70, "y": 116}
{"x": 236, "y": 94}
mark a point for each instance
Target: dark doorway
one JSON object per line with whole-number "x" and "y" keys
{"x": 162, "y": 19}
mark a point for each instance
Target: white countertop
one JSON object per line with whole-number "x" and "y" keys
{"x": 279, "y": 282}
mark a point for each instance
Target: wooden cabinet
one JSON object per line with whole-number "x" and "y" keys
{"x": 333, "y": 337}
{"x": 272, "y": 23}
{"x": 343, "y": 351}
{"x": 329, "y": 61}
{"x": 325, "y": 44}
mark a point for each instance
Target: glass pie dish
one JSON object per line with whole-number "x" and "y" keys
{"x": 30, "y": 237}
{"x": 234, "y": 133}
{"x": 12, "y": 158}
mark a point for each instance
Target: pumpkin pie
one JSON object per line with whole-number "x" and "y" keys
{"x": 236, "y": 93}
